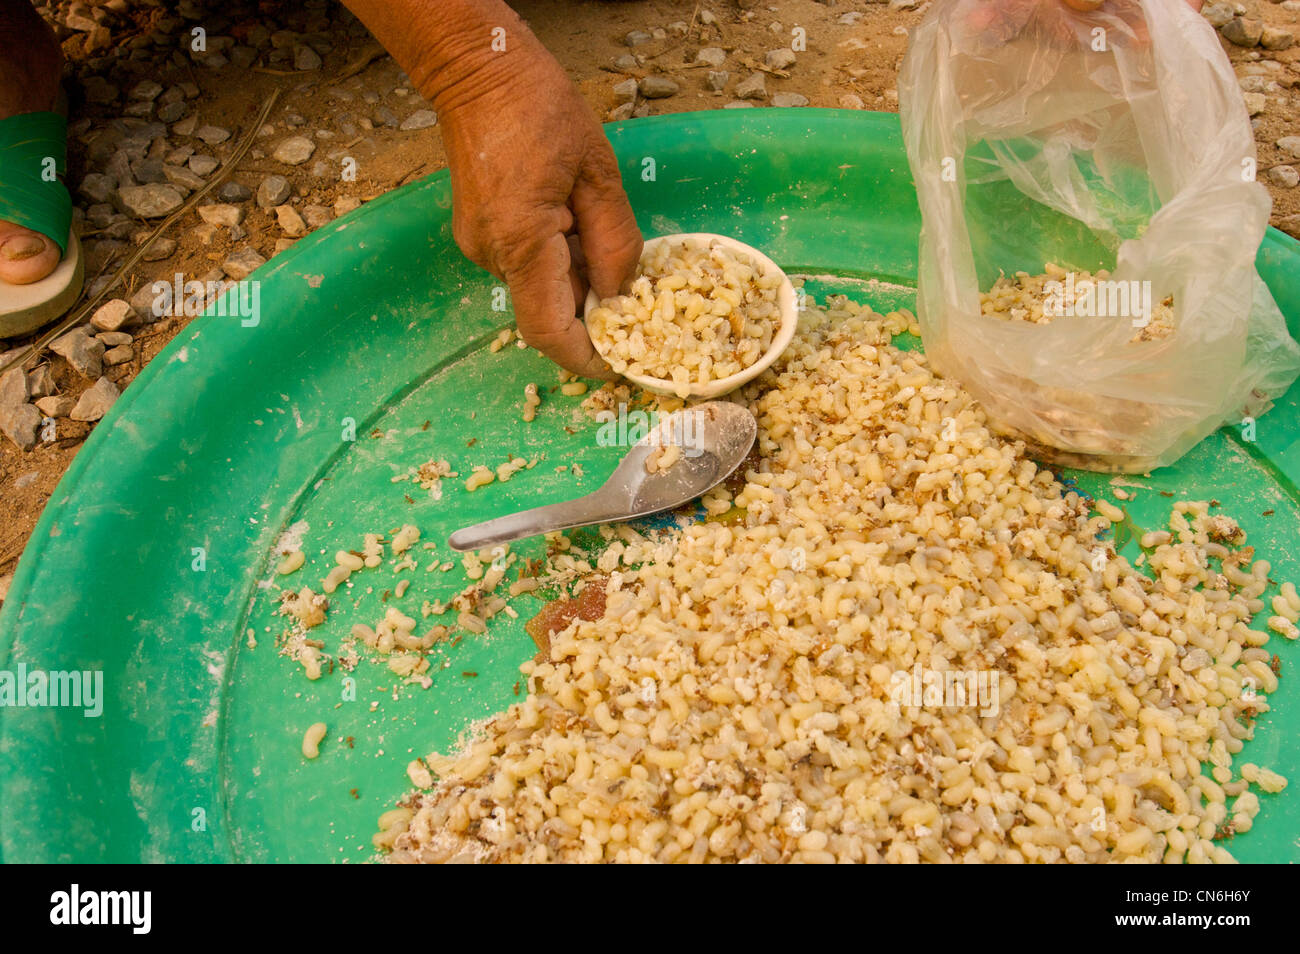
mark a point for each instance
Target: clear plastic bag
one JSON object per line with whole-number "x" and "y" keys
{"x": 1118, "y": 140}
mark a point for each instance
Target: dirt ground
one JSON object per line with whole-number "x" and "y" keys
{"x": 356, "y": 99}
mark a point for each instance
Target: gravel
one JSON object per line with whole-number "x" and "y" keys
{"x": 56, "y": 405}
{"x": 637, "y": 38}
{"x": 234, "y": 192}
{"x": 1271, "y": 38}
{"x": 163, "y": 248}
{"x": 316, "y": 216}
{"x": 98, "y": 187}
{"x": 755, "y": 87}
{"x": 716, "y": 80}
{"x": 151, "y": 201}
{"x": 420, "y": 119}
{"x": 1242, "y": 32}
{"x": 1218, "y": 14}
{"x": 84, "y": 353}
{"x": 1290, "y": 145}
{"x": 305, "y": 58}
{"x": 242, "y": 263}
{"x": 120, "y": 354}
{"x": 779, "y": 59}
{"x": 146, "y": 90}
{"x": 272, "y": 191}
{"x": 20, "y": 424}
{"x": 183, "y": 177}
{"x": 625, "y": 92}
{"x": 113, "y": 315}
{"x": 224, "y": 215}
{"x": 203, "y": 165}
{"x": 94, "y": 404}
{"x": 789, "y": 99}
{"x": 1285, "y": 177}
{"x": 625, "y": 62}
{"x": 291, "y": 221}
{"x": 171, "y": 112}
{"x": 294, "y": 151}
{"x": 212, "y": 135}
{"x": 386, "y": 117}
{"x": 712, "y": 56}
{"x": 658, "y": 87}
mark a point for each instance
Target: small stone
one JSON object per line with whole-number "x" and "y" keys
{"x": 789, "y": 99}
{"x": 203, "y": 165}
{"x": 283, "y": 245}
{"x": 144, "y": 301}
{"x": 40, "y": 382}
{"x": 242, "y": 263}
{"x": 779, "y": 59}
{"x": 1255, "y": 103}
{"x": 146, "y": 90}
{"x": 235, "y": 192}
{"x": 161, "y": 249}
{"x": 625, "y": 62}
{"x": 679, "y": 28}
{"x": 96, "y": 89}
{"x": 112, "y": 315}
{"x": 112, "y": 339}
{"x": 716, "y": 80}
{"x": 180, "y": 176}
{"x": 1218, "y": 14}
{"x": 56, "y": 405}
{"x": 151, "y": 201}
{"x": 755, "y": 87}
{"x": 186, "y": 126}
{"x": 637, "y": 38}
{"x": 904, "y": 4}
{"x": 852, "y": 101}
{"x": 711, "y": 56}
{"x": 1271, "y": 38}
{"x": 738, "y": 104}
{"x": 850, "y": 18}
{"x": 1285, "y": 177}
{"x": 707, "y": 18}
{"x": 345, "y": 204}
{"x": 420, "y": 119}
{"x": 20, "y": 424}
{"x": 1242, "y": 32}
{"x": 620, "y": 112}
{"x": 226, "y": 216}
{"x": 317, "y": 216}
{"x": 99, "y": 187}
{"x": 305, "y": 58}
{"x": 171, "y": 112}
{"x": 386, "y": 117}
{"x": 273, "y": 190}
{"x": 212, "y": 135}
{"x": 84, "y": 353}
{"x": 294, "y": 151}
{"x": 14, "y": 387}
{"x": 118, "y": 355}
{"x": 1290, "y": 224}
{"x": 625, "y": 92}
{"x": 658, "y": 87}
{"x": 147, "y": 171}
{"x": 80, "y": 18}
{"x": 1290, "y": 144}
{"x": 291, "y": 221}
{"x": 94, "y": 404}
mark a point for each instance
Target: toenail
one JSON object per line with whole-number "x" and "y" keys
{"x": 21, "y": 247}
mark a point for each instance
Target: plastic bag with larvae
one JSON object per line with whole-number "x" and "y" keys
{"x": 1113, "y": 146}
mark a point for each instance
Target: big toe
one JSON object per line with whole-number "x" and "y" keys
{"x": 25, "y": 256}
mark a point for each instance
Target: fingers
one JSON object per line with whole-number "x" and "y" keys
{"x": 544, "y": 300}
{"x": 611, "y": 241}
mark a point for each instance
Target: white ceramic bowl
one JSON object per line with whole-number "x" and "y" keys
{"x": 785, "y": 300}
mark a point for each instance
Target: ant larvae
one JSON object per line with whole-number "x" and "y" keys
{"x": 292, "y": 561}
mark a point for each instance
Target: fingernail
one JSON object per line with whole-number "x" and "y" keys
{"x": 20, "y": 247}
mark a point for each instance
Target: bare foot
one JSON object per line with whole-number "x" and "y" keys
{"x": 30, "y": 67}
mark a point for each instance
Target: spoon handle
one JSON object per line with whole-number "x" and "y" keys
{"x": 593, "y": 508}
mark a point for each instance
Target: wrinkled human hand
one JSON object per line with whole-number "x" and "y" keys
{"x": 538, "y": 202}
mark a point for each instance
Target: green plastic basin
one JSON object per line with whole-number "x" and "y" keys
{"x": 377, "y": 324}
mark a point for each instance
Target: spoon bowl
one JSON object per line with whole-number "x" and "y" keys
{"x": 714, "y": 438}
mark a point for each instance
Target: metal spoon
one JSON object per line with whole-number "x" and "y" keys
{"x": 714, "y": 437}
